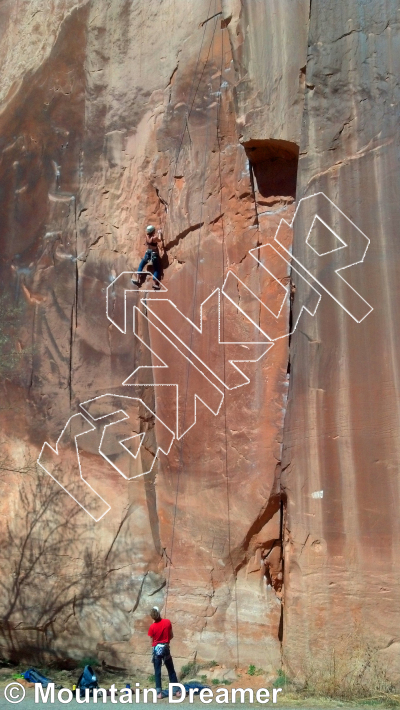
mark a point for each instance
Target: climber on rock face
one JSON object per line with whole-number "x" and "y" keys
{"x": 161, "y": 634}
{"x": 152, "y": 255}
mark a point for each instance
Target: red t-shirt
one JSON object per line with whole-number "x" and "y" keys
{"x": 160, "y": 631}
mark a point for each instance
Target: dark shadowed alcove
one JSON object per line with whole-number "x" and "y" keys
{"x": 274, "y": 166}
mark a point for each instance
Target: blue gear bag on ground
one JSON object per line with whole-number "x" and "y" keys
{"x": 33, "y": 676}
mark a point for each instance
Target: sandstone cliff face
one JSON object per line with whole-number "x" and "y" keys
{"x": 199, "y": 118}
{"x": 342, "y": 549}
{"x": 115, "y": 112}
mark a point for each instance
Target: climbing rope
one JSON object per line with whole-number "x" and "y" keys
{"x": 172, "y": 182}
{"x": 190, "y": 104}
{"x": 224, "y": 259}
{"x": 191, "y": 335}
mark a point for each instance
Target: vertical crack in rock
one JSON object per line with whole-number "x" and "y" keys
{"x": 273, "y": 167}
{"x": 251, "y": 542}
{"x": 149, "y": 395}
{"x": 151, "y": 500}
{"x": 71, "y": 340}
{"x": 120, "y": 526}
{"x": 251, "y": 173}
{"x": 139, "y": 595}
{"x": 74, "y": 307}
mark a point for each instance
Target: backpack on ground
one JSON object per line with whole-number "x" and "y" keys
{"x": 33, "y": 676}
{"x": 87, "y": 681}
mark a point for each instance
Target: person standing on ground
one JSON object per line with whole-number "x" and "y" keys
{"x": 161, "y": 634}
{"x": 152, "y": 255}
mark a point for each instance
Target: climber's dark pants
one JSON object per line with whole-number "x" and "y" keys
{"x": 169, "y": 664}
{"x": 152, "y": 256}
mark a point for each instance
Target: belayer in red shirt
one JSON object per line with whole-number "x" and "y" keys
{"x": 161, "y": 634}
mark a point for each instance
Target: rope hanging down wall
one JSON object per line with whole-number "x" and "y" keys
{"x": 194, "y": 303}
{"x": 193, "y": 316}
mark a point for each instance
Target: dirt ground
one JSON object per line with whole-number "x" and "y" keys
{"x": 212, "y": 677}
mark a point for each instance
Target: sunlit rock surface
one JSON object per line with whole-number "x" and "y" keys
{"x": 201, "y": 119}
{"x": 341, "y": 429}
{"x": 112, "y": 112}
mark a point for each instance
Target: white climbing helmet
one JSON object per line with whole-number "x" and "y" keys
{"x": 150, "y": 229}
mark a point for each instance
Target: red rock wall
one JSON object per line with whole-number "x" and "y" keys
{"x": 116, "y": 111}
{"x": 200, "y": 118}
{"x": 341, "y": 429}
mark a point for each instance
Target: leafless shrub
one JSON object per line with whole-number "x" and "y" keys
{"x": 53, "y": 571}
{"x": 351, "y": 669}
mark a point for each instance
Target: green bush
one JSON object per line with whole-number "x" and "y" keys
{"x": 252, "y": 670}
{"x": 215, "y": 681}
{"x": 192, "y": 669}
{"x": 281, "y": 679}
{"x": 188, "y": 669}
{"x": 90, "y": 661}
